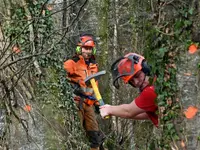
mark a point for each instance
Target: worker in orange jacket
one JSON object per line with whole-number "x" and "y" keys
{"x": 79, "y": 67}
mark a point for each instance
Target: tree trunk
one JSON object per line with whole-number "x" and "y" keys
{"x": 188, "y": 79}
{"x": 31, "y": 37}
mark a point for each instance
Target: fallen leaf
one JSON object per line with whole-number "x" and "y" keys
{"x": 187, "y": 74}
{"x": 169, "y": 101}
{"x": 191, "y": 112}
{"x": 167, "y": 30}
{"x": 49, "y": 7}
{"x": 162, "y": 109}
{"x": 182, "y": 144}
{"x": 172, "y": 66}
{"x": 43, "y": 12}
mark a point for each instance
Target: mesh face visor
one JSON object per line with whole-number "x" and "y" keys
{"x": 123, "y": 68}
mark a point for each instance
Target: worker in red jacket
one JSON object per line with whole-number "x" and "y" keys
{"x": 80, "y": 66}
{"x": 133, "y": 69}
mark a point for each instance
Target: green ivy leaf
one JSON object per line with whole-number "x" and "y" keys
{"x": 176, "y": 137}
{"x": 198, "y": 138}
{"x": 198, "y": 65}
{"x": 187, "y": 22}
{"x": 191, "y": 11}
{"x": 170, "y": 126}
{"x": 162, "y": 51}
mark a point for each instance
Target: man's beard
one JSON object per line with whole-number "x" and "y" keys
{"x": 87, "y": 55}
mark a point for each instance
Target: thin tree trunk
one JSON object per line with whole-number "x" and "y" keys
{"x": 64, "y": 24}
{"x": 114, "y": 52}
{"x": 31, "y": 37}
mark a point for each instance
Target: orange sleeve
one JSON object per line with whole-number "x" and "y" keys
{"x": 69, "y": 66}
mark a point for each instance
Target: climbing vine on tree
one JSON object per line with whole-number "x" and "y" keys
{"x": 30, "y": 30}
{"x": 165, "y": 40}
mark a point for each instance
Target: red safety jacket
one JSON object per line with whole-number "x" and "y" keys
{"x": 78, "y": 70}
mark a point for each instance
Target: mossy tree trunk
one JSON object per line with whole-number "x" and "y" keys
{"x": 188, "y": 79}
{"x": 103, "y": 47}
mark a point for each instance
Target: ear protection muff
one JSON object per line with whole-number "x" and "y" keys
{"x": 78, "y": 50}
{"x": 94, "y": 50}
{"x": 146, "y": 68}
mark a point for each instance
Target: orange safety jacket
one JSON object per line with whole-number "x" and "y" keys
{"x": 78, "y": 70}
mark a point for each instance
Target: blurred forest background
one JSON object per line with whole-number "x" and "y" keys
{"x": 37, "y": 36}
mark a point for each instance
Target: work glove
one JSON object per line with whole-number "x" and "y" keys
{"x": 96, "y": 106}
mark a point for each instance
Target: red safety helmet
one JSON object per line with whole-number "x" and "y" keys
{"x": 86, "y": 40}
{"x": 126, "y": 67}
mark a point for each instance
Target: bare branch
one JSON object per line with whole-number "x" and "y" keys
{"x": 25, "y": 57}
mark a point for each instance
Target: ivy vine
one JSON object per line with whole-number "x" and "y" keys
{"x": 163, "y": 48}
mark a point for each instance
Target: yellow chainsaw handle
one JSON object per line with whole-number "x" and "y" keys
{"x": 97, "y": 94}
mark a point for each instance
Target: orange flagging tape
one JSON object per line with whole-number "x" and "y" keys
{"x": 192, "y": 48}
{"x": 16, "y": 49}
{"x": 27, "y": 108}
{"x": 191, "y": 112}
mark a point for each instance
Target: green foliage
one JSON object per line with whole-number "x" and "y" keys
{"x": 162, "y": 34}
{"x": 198, "y": 138}
{"x": 18, "y": 27}
{"x": 198, "y": 65}
{"x": 58, "y": 107}
{"x": 162, "y": 52}
{"x": 53, "y": 93}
